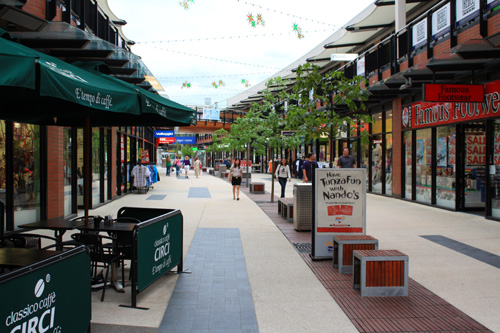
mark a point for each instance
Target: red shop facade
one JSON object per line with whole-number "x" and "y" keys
{"x": 450, "y": 156}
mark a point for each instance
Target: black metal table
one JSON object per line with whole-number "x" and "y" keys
{"x": 59, "y": 225}
{"x": 19, "y": 257}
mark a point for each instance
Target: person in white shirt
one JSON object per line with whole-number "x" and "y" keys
{"x": 235, "y": 174}
{"x": 282, "y": 173}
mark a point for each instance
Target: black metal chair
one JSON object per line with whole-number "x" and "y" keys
{"x": 98, "y": 254}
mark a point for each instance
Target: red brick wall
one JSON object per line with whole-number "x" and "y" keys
{"x": 386, "y": 74}
{"x": 114, "y": 159}
{"x": 442, "y": 47}
{"x": 396, "y": 148}
{"x": 471, "y": 33}
{"x": 493, "y": 25}
{"x": 35, "y": 7}
{"x": 55, "y": 174}
{"x": 421, "y": 58}
{"x": 403, "y": 66}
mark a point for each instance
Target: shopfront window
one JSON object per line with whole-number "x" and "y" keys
{"x": 377, "y": 123}
{"x": 26, "y": 165}
{"x": 388, "y": 164}
{"x": 475, "y": 161}
{"x": 96, "y": 166}
{"x": 424, "y": 165}
{"x": 408, "y": 164}
{"x": 67, "y": 153}
{"x": 446, "y": 167}
{"x": 388, "y": 121}
{"x": 2, "y": 163}
{"x": 79, "y": 166}
{"x": 377, "y": 175}
{"x": 495, "y": 203}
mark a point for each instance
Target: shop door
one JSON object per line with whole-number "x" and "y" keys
{"x": 473, "y": 159}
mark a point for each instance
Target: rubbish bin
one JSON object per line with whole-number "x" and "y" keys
{"x": 302, "y": 203}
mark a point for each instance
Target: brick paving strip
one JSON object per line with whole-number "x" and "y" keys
{"x": 420, "y": 311}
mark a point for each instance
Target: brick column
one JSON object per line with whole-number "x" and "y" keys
{"x": 396, "y": 148}
{"x": 55, "y": 172}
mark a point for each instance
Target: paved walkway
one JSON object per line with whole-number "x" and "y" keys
{"x": 452, "y": 255}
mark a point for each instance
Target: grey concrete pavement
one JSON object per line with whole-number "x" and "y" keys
{"x": 455, "y": 255}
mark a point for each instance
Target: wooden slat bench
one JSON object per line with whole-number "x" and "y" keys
{"x": 343, "y": 245}
{"x": 257, "y": 188}
{"x": 380, "y": 272}
{"x": 286, "y": 208}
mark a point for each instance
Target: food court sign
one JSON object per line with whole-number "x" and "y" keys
{"x": 159, "y": 249}
{"x": 340, "y": 206}
{"x": 425, "y": 114}
{"x": 53, "y": 299}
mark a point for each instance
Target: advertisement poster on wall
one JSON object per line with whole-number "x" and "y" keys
{"x": 340, "y": 207}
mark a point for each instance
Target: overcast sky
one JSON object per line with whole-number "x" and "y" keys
{"x": 213, "y": 40}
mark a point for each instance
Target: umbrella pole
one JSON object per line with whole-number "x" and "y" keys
{"x": 86, "y": 167}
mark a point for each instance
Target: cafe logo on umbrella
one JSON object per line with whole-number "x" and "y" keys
{"x": 53, "y": 66}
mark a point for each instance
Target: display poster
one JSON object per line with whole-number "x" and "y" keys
{"x": 428, "y": 149}
{"x": 442, "y": 152}
{"x": 420, "y": 151}
{"x": 340, "y": 206}
{"x": 452, "y": 150}
{"x": 408, "y": 152}
{"x": 475, "y": 154}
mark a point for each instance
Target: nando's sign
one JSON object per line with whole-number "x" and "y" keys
{"x": 425, "y": 114}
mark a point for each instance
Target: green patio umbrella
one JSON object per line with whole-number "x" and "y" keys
{"x": 46, "y": 90}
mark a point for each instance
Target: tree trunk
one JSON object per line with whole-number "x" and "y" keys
{"x": 272, "y": 175}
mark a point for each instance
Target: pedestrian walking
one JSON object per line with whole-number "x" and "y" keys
{"x": 346, "y": 160}
{"x": 169, "y": 165}
{"x": 197, "y": 167}
{"x": 282, "y": 173}
{"x": 307, "y": 167}
{"x": 177, "y": 164}
{"x": 187, "y": 164}
{"x": 235, "y": 174}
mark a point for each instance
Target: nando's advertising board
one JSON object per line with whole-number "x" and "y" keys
{"x": 426, "y": 114}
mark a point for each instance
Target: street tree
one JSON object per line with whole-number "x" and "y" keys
{"x": 272, "y": 122}
{"x": 325, "y": 104}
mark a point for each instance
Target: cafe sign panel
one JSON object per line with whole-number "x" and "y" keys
{"x": 54, "y": 298}
{"x": 340, "y": 206}
{"x": 425, "y": 114}
{"x": 159, "y": 249}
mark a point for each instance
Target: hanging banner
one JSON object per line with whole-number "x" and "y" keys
{"x": 441, "y": 21}
{"x": 340, "y": 207}
{"x": 360, "y": 66}
{"x": 466, "y": 10}
{"x": 419, "y": 33}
